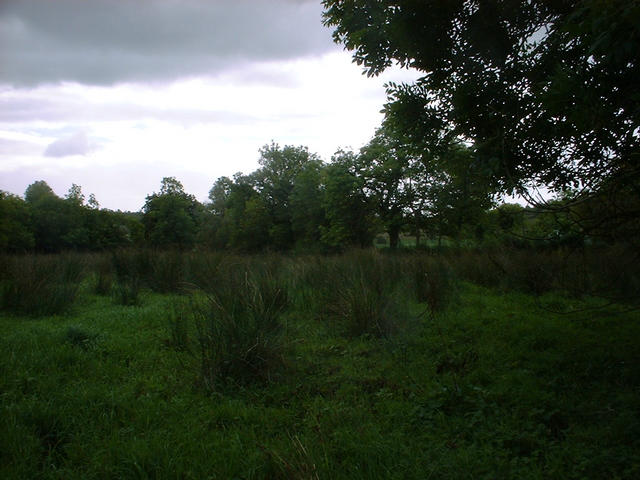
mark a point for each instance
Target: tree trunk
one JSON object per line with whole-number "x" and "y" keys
{"x": 394, "y": 237}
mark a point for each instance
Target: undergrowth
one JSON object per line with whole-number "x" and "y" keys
{"x": 359, "y": 366}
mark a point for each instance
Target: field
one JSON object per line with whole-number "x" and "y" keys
{"x": 365, "y": 365}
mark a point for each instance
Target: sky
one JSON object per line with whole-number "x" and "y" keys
{"x": 114, "y": 95}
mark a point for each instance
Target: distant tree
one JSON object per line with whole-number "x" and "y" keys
{"x": 457, "y": 196}
{"x": 306, "y": 204}
{"x": 38, "y": 191}
{"x": 275, "y": 182}
{"x": 349, "y": 219}
{"x": 171, "y": 217}
{"x": 242, "y": 197}
{"x": 75, "y": 195}
{"x": 273, "y": 207}
{"x": 16, "y": 233}
{"x": 50, "y": 217}
{"x": 255, "y": 225}
{"x": 387, "y": 169}
{"x": 219, "y": 195}
{"x": 93, "y": 202}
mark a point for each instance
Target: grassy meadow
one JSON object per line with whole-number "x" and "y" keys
{"x": 142, "y": 364}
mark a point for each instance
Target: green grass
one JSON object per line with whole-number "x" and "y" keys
{"x": 496, "y": 385}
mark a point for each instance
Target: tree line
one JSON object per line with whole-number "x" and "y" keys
{"x": 293, "y": 201}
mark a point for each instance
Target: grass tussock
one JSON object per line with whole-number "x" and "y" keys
{"x": 363, "y": 294}
{"x": 434, "y": 282}
{"x": 239, "y": 328}
{"x": 40, "y": 285}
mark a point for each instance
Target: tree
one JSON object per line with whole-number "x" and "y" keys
{"x": 171, "y": 217}
{"x": 387, "y": 170}
{"x": 459, "y": 195}
{"x": 49, "y": 216}
{"x": 349, "y": 220}
{"x": 75, "y": 195}
{"x": 239, "y": 219}
{"x": 306, "y": 204}
{"x": 219, "y": 195}
{"x": 546, "y": 92}
{"x": 16, "y": 233}
{"x": 38, "y": 191}
{"x": 275, "y": 182}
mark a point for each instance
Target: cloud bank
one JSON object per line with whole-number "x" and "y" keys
{"x": 104, "y": 42}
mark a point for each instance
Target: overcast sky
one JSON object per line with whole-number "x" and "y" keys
{"x": 113, "y": 95}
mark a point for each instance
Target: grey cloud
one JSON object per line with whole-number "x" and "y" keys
{"x": 76, "y": 144}
{"x": 70, "y": 109}
{"x": 111, "y": 41}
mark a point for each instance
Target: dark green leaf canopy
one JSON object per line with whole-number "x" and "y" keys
{"x": 546, "y": 91}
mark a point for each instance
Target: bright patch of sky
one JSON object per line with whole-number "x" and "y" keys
{"x": 113, "y": 95}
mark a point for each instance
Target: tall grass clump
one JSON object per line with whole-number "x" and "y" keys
{"x": 178, "y": 324}
{"x": 364, "y": 294}
{"x": 239, "y": 327}
{"x": 611, "y": 272}
{"x": 103, "y": 274}
{"x": 207, "y": 269}
{"x": 81, "y": 338}
{"x": 479, "y": 267}
{"x": 129, "y": 267}
{"x": 40, "y": 285}
{"x": 167, "y": 272}
{"x": 433, "y": 281}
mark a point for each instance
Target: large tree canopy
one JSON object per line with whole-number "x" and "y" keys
{"x": 547, "y": 92}
{"x": 171, "y": 217}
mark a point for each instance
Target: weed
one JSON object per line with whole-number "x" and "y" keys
{"x": 130, "y": 268}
